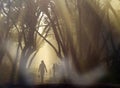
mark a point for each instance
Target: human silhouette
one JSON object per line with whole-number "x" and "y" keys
{"x": 54, "y": 70}
{"x": 42, "y": 69}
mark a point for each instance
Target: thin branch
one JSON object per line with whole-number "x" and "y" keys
{"x": 48, "y": 42}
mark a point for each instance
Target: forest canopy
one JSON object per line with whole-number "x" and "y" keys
{"x": 82, "y": 33}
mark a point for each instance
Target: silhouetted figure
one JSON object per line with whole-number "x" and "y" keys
{"x": 42, "y": 69}
{"x": 54, "y": 70}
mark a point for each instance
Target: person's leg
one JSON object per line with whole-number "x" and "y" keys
{"x": 42, "y": 78}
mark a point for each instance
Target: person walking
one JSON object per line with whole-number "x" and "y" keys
{"x": 42, "y": 70}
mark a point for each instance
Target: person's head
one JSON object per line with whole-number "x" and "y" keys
{"x": 42, "y": 61}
